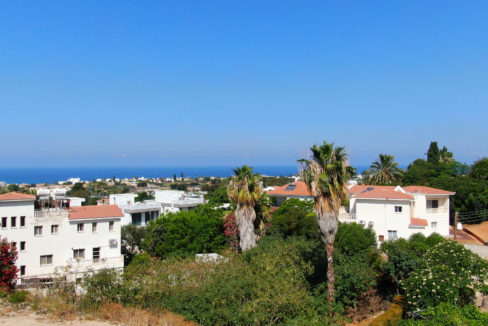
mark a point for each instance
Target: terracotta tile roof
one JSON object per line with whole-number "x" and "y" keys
{"x": 299, "y": 190}
{"x": 383, "y": 194}
{"x": 96, "y": 211}
{"x": 16, "y": 196}
{"x": 356, "y": 189}
{"x": 427, "y": 190}
{"x": 418, "y": 222}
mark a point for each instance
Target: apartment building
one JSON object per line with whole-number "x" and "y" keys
{"x": 83, "y": 237}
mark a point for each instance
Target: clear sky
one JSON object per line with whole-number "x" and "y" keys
{"x": 128, "y": 83}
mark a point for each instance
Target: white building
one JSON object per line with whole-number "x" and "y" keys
{"x": 85, "y": 237}
{"x": 176, "y": 200}
{"x": 297, "y": 189}
{"x": 75, "y": 201}
{"x": 74, "y": 180}
{"x": 135, "y": 213}
{"x": 396, "y": 212}
{"x": 169, "y": 179}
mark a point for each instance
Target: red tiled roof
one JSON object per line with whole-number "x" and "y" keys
{"x": 356, "y": 189}
{"x": 16, "y": 196}
{"x": 383, "y": 194}
{"x": 96, "y": 211}
{"x": 427, "y": 190}
{"x": 300, "y": 190}
{"x": 418, "y": 222}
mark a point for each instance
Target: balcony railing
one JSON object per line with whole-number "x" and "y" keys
{"x": 51, "y": 212}
{"x": 140, "y": 208}
{"x": 76, "y": 263}
{"x": 437, "y": 210}
{"x": 347, "y": 217}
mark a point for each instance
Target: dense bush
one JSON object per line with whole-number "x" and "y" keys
{"x": 269, "y": 284}
{"x": 18, "y": 296}
{"x": 295, "y": 218}
{"x": 447, "y": 273}
{"x": 185, "y": 234}
{"x": 446, "y": 314}
{"x": 404, "y": 256}
{"x": 353, "y": 239}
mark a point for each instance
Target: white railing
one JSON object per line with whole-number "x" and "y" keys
{"x": 140, "y": 207}
{"x": 187, "y": 201}
{"x": 347, "y": 216}
{"x": 75, "y": 262}
{"x": 51, "y": 212}
{"x": 436, "y": 210}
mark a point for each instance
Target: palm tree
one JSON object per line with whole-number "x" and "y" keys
{"x": 325, "y": 172}
{"x": 245, "y": 190}
{"x": 384, "y": 170}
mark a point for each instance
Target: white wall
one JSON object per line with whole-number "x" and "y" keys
{"x": 166, "y": 196}
{"x": 75, "y": 201}
{"x": 122, "y": 199}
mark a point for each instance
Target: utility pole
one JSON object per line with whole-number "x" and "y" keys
{"x": 456, "y": 215}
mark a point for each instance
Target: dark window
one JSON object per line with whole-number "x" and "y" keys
{"x": 14, "y": 245}
{"x": 398, "y": 209}
{"x": 46, "y": 260}
{"x": 96, "y": 254}
{"x": 79, "y": 253}
{"x": 81, "y": 227}
{"x": 54, "y": 229}
{"x": 22, "y": 270}
{"x": 136, "y": 219}
{"x": 94, "y": 227}
{"x": 37, "y": 230}
{"x": 4, "y": 222}
{"x": 22, "y": 221}
{"x": 22, "y": 245}
{"x": 13, "y": 221}
{"x": 111, "y": 226}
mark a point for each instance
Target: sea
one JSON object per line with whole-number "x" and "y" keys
{"x": 52, "y": 174}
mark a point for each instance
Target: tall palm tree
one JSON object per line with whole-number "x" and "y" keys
{"x": 245, "y": 190}
{"x": 384, "y": 170}
{"x": 325, "y": 172}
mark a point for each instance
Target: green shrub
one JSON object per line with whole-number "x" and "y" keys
{"x": 295, "y": 218}
{"x": 141, "y": 259}
{"x": 102, "y": 285}
{"x": 447, "y": 273}
{"x": 353, "y": 239}
{"x": 446, "y": 314}
{"x": 18, "y": 296}
{"x": 185, "y": 234}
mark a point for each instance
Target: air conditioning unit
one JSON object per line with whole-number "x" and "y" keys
{"x": 362, "y": 222}
{"x": 112, "y": 242}
{"x": 370, "y": 224}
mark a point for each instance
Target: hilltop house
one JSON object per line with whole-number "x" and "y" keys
{"x": 176, "y": 200}
{"x": 135, "y": 213}
{"x": 396, "y": 212}
{"x": 83, "y": 237}
{"x": 297, "y": 189}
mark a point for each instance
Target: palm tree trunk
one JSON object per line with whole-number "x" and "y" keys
{"x": 245, "y": 217}
{"x": 328, "y": 224}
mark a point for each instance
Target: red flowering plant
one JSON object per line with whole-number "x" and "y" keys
{"x": 231, "y": 230}
{"x": 8, "y": 270}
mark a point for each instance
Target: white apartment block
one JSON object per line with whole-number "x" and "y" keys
{"x": 177, "y": 200}
{"x": 135, "y": 213}
{"x": 83, "y": 237}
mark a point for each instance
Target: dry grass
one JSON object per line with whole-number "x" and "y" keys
{"x": 58, "y": 310}
{"x": 370, "y": 304}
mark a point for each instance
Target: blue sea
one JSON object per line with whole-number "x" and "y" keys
{"x": 52, "y": 174}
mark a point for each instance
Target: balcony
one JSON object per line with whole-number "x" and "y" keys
{"x": 140, "y": 208}
{"x": 51, "y": 212}
{"x": 94, "y": 263}
{"x": 437, "y": 210}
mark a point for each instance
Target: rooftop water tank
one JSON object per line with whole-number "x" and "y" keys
{"x": 43, "y": 193}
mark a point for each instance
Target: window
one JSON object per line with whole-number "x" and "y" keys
{"x": 79, "y": 253}
{"x": 381, "y": 238}
{"x": 4, "y": 222}
{"x": 22, "y": 270}
{"x": 96, "y": 254}
{"x": 94, "y": 227}
{"x": 392, "y": 234}
{"x": 22, "y": 221}
{"x": 433, "y": 225}
{"x": 398, "y": 209}
{"x": 22, "y": 245}
{"x": 14, "y": 244}
{"x": 433, "y": 203}
{"x": 81, "y": 227}
{"x": 38, "y": 230}
{"x": 46, "y": 260}
{"x": 13, "y": 222}
{"x": 111, "y": 226}
{"x": 54, "y": 229}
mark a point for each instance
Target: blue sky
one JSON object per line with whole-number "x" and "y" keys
{"x": 147, "y": 83}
